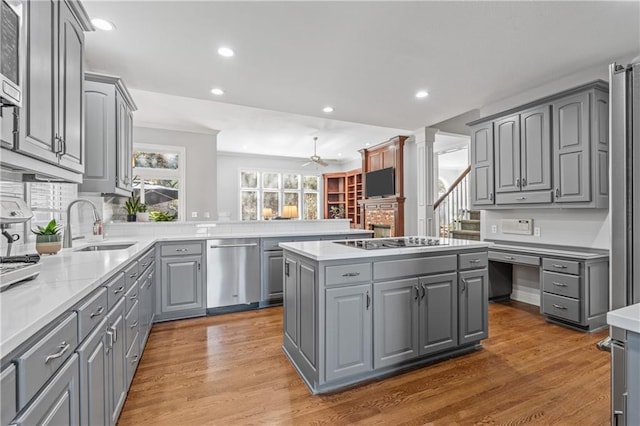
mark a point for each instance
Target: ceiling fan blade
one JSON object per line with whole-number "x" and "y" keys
{"x": 306, "y": 164}
{"x": 322, "y": 162}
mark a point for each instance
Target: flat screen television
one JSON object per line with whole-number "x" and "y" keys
{"x": 380, "y": 183}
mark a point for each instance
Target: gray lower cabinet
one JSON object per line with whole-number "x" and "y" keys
{"x": 272, "y": 262}
{"x": 291, "y": 305}
{"x": 308, "y": 304}
{"x": 116, "y": 352}
{"x": 147, "y": 298}
{"x": 92, "y": 356}
{"x": 348, "y": 331}
{"x": 181, "y": 273}
{"x": 438, "y": 321}
{"x": 58, "y": 402}
{"x": 8, "y": 390}
{"x": 473, "y": 304}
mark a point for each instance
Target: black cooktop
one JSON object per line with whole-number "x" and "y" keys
{"x": 387, "y": 243}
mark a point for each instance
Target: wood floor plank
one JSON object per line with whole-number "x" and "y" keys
{"x": 230, "y": 370}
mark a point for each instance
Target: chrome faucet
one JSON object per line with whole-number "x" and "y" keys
{"x": 96, "y": 222}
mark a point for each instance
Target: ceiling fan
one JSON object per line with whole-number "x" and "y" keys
{"x": 315, "y": 158}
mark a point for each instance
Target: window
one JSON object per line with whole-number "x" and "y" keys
{"x": 159, "y": 180}
{"x": 49, "y": 201}
{"x": 262, "y": 192}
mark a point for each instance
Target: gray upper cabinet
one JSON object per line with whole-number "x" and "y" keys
{"x": 109, "y": 135}
{"x": 51, "y": 120}
{"x": 481, "y": 181}
{"x": 550, "y": 152}
{"x": 473, "y": 300}
{"x": 348, "y": 331}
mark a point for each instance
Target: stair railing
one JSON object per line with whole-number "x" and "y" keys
{"x": 453, "y": 205}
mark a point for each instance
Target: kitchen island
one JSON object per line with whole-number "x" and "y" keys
{"x": 359, "y": 310}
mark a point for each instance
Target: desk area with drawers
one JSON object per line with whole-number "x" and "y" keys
{"x": 574, "y": 282}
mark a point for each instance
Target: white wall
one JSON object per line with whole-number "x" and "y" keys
{"x": 410, "y": 187}
{"x": 230, "y": 164}
{"x": 201, "y": 163}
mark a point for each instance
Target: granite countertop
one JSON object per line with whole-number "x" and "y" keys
{"x": 69, "y": 276}
{"x": 627, "y": 318}
{"x": 327, "y": 250}
{"x": 535, "y": 249}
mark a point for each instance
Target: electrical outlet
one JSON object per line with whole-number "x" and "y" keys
{"x": 494, "y": 229}
{"x": 194, "y": 214}
{"x": 206, "y": 215}
{"x": 536, "y": 231}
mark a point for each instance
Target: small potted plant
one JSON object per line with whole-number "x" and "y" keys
{"x": 143, "y": 214}
{"x": 337, "y": 212}
{"x": 48, "y": 239}
{"x": 132, "y": 206}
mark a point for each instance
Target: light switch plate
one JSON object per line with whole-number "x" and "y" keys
{"x": 194, "y": 214}
{"x": 494, "y": 229}
{"x": 517, "y": 226}
{"x": 536, "y": 231}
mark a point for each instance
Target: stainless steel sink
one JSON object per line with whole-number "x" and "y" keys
{"x": 104, "y": 247}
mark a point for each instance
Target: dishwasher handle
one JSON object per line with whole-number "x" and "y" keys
{"x": 234, "y": 245}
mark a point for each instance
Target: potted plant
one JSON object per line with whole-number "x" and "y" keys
{"x": 132, "y": 206}
{"x": 337, "y": 212}
{"x": 143, "y": 214}
{"x": 48, "y": 239}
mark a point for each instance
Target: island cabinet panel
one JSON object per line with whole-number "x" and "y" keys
{"x": 291, "y": 301}
{"x": 473, "y": 303}
{"x": 438, "y": 313}
{"x": 395, "y": 322}
{"x": 348, "y": 331}
{"x": 308, "y": 321}
{"x": 384, "y": 270}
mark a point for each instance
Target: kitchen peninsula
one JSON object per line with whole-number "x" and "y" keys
{"x": 363, "y": 309}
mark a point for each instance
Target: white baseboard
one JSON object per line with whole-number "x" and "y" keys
{"x": 526, "y": 295}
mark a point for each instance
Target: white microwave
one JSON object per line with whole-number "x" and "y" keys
{"x": 10, "y": 44}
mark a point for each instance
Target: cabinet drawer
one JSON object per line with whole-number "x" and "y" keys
{"x": 419, "y": 266}
{"x": 561, "y": 307}
{"x": 42, "y": 360}
{"x": 131, "y": 296}
{"x": 91, "y": 312}
{"x": 8, "y": 390}
{"x": 562, "y": 284}
{"x": 345, "y": 274}
{"x": 146, "y": 260}
{"x": 472, "y": 260}
{"x": 115, "y": 290}
{"x": 564, "y": 266}
{"x": 131, "y": 322}
{"x": 525, "y": 197}
{"x": 180, "y": 249}
{"x": 131, "y": 275}
{"x": 133, "y": 356}
{"x": 514, "y": 258}
{"x": 271, "y": 244}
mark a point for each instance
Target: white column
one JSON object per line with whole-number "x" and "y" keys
{"x": 425, "y": 180}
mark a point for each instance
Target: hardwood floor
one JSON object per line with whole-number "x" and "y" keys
{"x": 230, "y": 370}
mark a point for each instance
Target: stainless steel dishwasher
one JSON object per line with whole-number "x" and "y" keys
{"x": 233, "y": 272}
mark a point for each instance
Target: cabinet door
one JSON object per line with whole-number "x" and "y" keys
{"x": 481, "y": 182}
{"x": 116, "y": 367}
{"x": 348, "y": 331}
{"x": 473, "y": 306}
{"x": 58, "y": 403}
{"x": 309, "y": 306}
{"x": 37, "y": 123}
{"x": 93, "y": 378}
{"x": 438, "y": 313}
{"x": 274, "y": 275}
{"x": 123, "y": 142}
{"x": 99, "y": 136}
{"x": 8, "y": 389}
{"x": 181, "y": 284}
{"x": 291, "y": 301}
{"x": 70, "y": 93}
{"x": 571, "y": 149}
{"x": 535, "y": 149}
{"x": 507, "y": 154}
{"x": 395, "y": 322}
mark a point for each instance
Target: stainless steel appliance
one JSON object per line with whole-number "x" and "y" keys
{"x": 10, "y": 45}
{"x": 14, "y": 269}
{"x": 624, "y": 211}
{"x": 233, "y": 272}
{"x": 387, "y": 243}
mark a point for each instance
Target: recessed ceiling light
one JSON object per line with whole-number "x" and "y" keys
{"x": 103, "y": 24}
{"x": 422, "y": 94}
{"x": 339, "y": 154}
{"x": 327, "y": 109}
{"x": 226, "y": 52}
{"x": 217, "y": 91}
{"x": 367, "y": 144}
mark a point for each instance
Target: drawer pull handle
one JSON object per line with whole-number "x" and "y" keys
{"x": 521, "y": 198}
{"x": 97, "y": 313}
{"x": 143, "y": 265}
{"x": 120, "y": 290}
{"x": 559, "y": 284}
{"x": 64, "y": 346}
{"x": 134, "y": 359}
{"x": 351, "y": 274}
{"x": 559, "y": 307}
{"x": 182, "y": 249}
{"x": 133, "y": 296}
{"x": 134, "y": 325}
{"x": 474, "y": 261}
{"x": 559, "y": 266}
{"x": 133, "y": 275}
{"x": 509, "y": 257}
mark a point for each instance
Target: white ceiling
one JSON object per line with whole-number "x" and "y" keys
{"x": 366, "y": 59}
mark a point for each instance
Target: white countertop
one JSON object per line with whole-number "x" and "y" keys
{"x": 327, "y": 250}
{"x": 69, "y": 276}
{"x": 560, "y": 251}
{"x": 627, "y": 318}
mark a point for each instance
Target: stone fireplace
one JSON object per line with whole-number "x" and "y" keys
{"x": 381, "y": 231}
{"x": 384, "y": 216}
